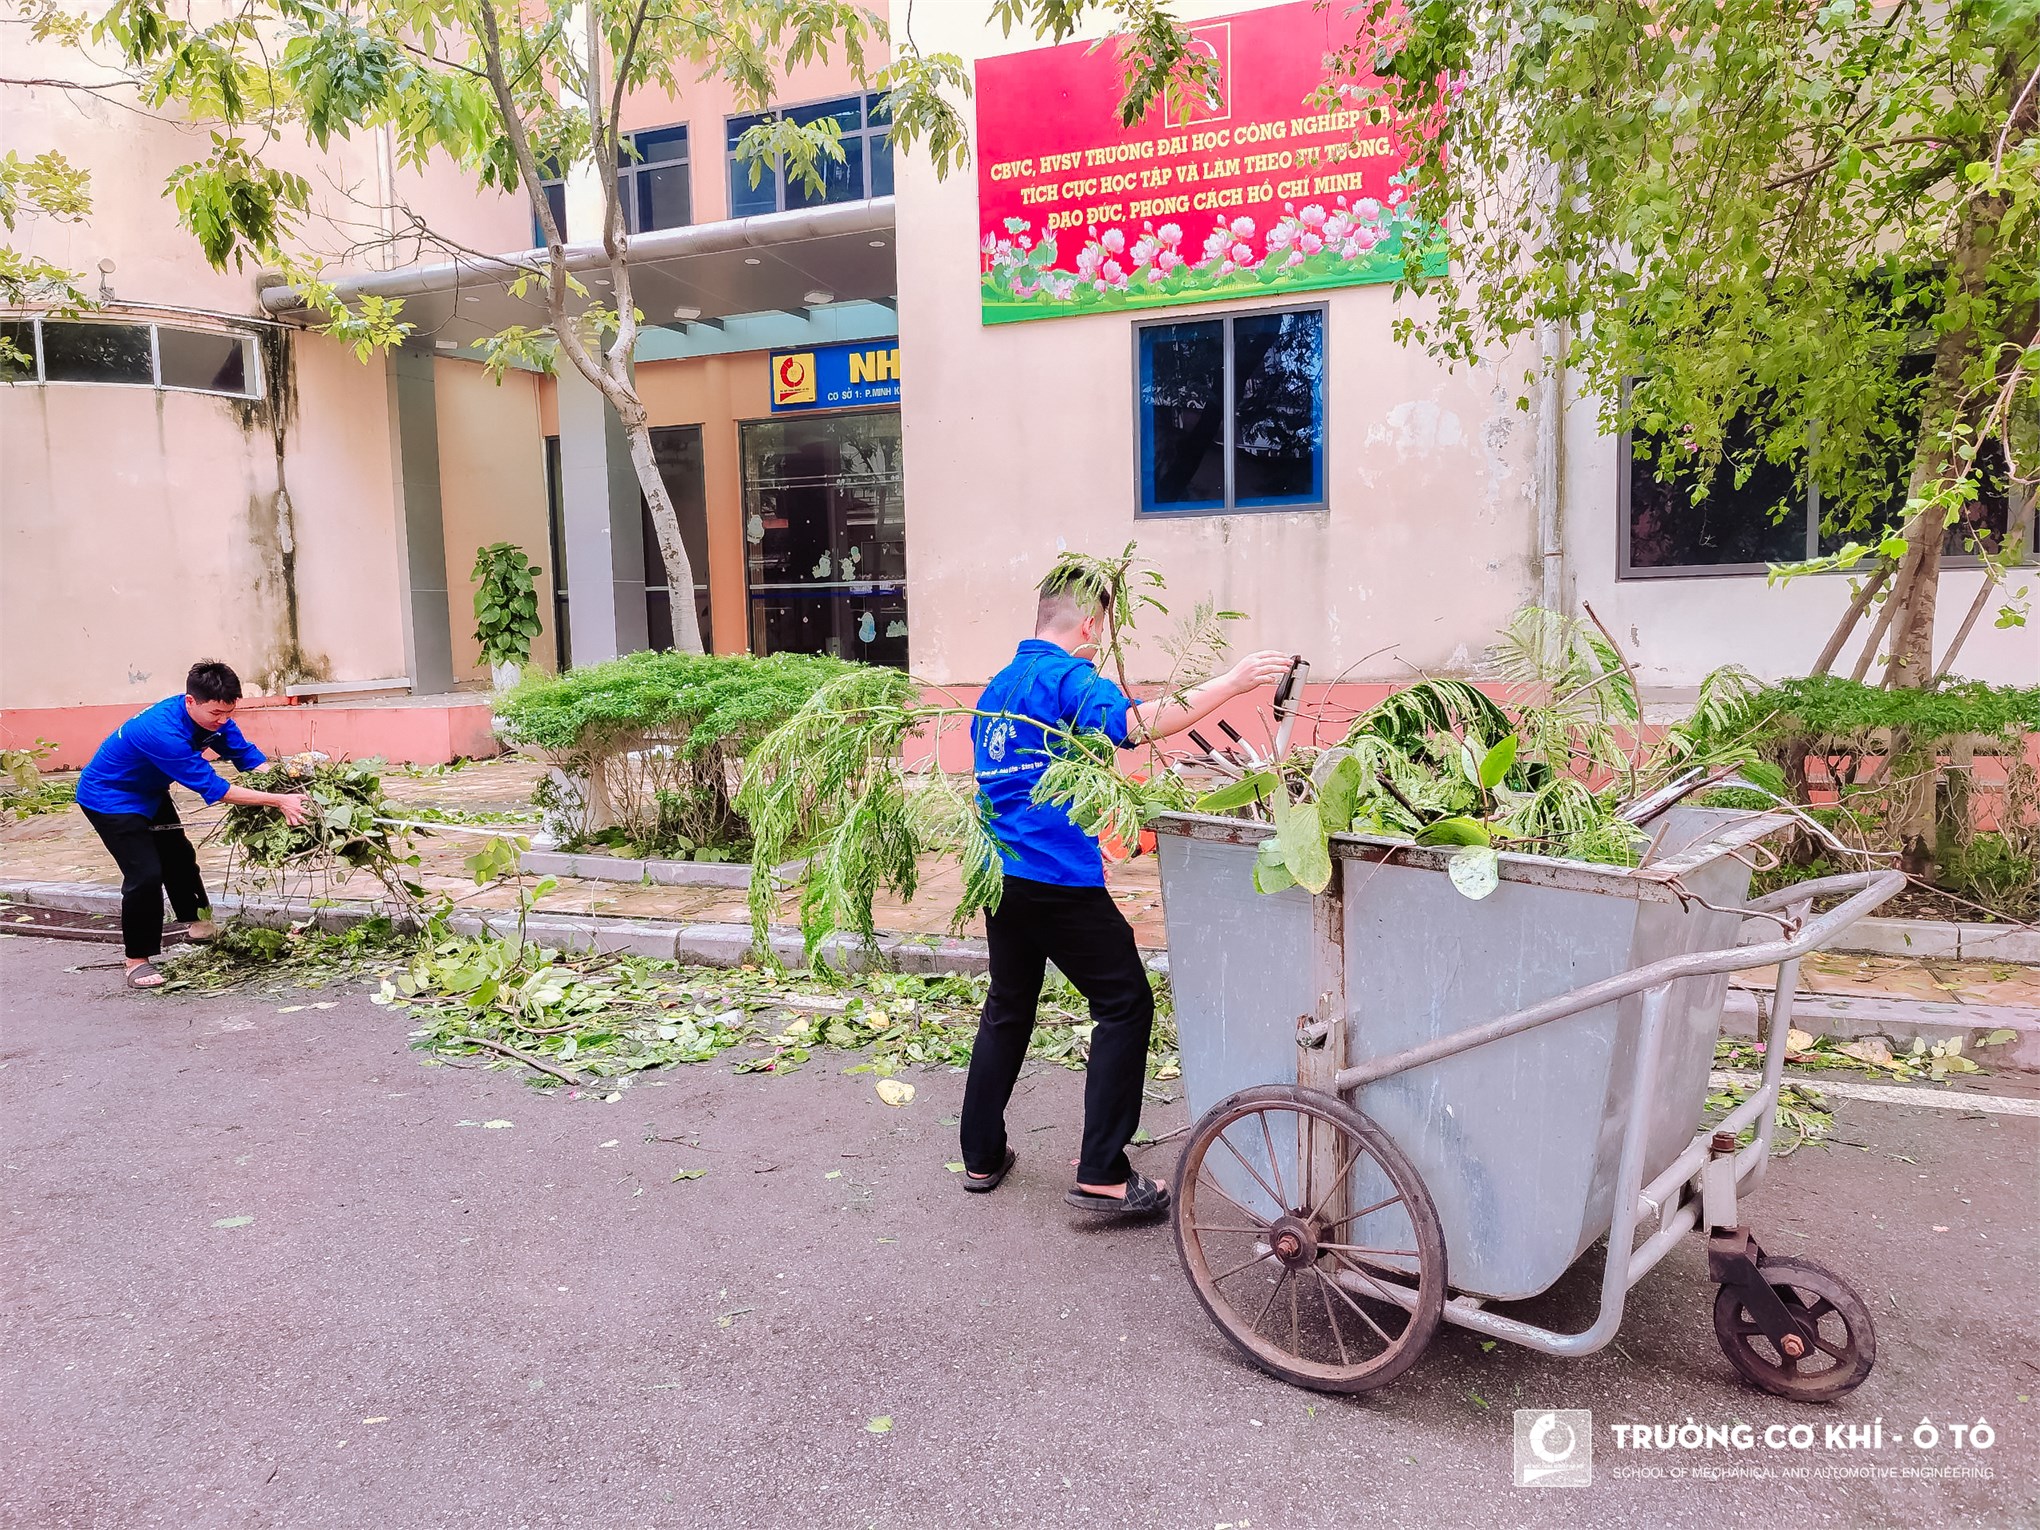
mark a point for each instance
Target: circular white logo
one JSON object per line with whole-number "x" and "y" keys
{"x": 1552, "y": 1450}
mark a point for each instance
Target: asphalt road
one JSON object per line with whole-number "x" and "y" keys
{"x": 266, "y": 1269}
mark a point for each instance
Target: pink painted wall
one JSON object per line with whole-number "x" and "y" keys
{"x": 142, "y": 530}
{"x": 1020, "y": 440}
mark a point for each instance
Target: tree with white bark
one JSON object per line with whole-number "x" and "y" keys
{"x": 514, "y": 95}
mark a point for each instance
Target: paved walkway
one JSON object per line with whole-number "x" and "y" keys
{"x": 61, "y": 847}
{"x": 265, "y": 1269}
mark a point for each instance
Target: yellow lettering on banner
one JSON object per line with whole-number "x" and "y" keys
{"x": 1327, "y": 122}
{"x": 1119, "y": 153}
{"x": 1332, "y": 185}
{"x": 1013, "y": 170}
{"x": 1221, "y": 169}
{"x": 1159, "y": 207}
{"x": 875, "y": 366}
{"x": 1262, "y": 164}
{"x": 1259, "y": 132}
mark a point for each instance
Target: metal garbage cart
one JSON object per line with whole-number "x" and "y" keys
{"x": 1415, "y": 1104}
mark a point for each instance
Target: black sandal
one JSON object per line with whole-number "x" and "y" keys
{"x": 979, "y": 1184}
{"x": 145, "y": 970}
{"x": 1143, "y": 1198}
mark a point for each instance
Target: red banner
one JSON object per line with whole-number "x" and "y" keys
{"x": 1261, "y": 189}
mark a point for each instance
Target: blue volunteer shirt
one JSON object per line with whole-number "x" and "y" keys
{"x": 1043, "y": 684}
{"x": 133, "y": 769}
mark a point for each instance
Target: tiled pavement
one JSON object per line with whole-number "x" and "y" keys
{"x": 61, "y": 847}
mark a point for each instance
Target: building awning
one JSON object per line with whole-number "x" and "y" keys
{"x": 788, "y": 262}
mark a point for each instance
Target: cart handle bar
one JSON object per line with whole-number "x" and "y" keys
{"x": 1870, "y": 890}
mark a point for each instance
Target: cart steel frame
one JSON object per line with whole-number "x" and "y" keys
{"x": 1699, "y": 1191}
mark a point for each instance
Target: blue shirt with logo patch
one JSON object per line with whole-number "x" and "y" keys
{"x": 1045, "y": 684}
{"x": 133, "y": 769}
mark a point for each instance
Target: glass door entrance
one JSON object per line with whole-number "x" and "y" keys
{"x": 678, "y": 450}
{"x": 825, "y": 536}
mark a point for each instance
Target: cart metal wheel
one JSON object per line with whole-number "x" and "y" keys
{"x": 1844, "y": 1342}
{"x": 1277, "y": 1186}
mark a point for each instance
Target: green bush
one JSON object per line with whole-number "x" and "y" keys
{"x": 702, "y": 701}
{"x": 1990, "y": 869}
{"x": 653, "y": 742}
{"x": 1827, "y": 707}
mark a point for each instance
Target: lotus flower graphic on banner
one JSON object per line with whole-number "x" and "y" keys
{"x": 1259, "y": 188}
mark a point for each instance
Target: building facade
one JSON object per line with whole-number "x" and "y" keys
{"x": 874, "y": 451}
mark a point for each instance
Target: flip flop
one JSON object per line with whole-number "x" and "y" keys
{"x": 980, "y": 1184}
{"x": 147, "y": 969}
{"x": 1143, "y": 1198}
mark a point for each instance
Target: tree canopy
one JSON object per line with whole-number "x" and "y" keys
{"x": 1812, "y": 226}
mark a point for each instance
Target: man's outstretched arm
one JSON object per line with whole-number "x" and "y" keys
{"x": 1158, "y": 719}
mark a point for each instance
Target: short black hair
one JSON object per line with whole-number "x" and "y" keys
{"x": 211, "y": 680}
{"x": 1065, "y": 597}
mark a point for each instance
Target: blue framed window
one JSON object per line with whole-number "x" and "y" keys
{"x": 653, "y": 182}
{"x": 1232, "y": 413}
{"x": 656, "y": 180}
{"x": 553, "y": 187}
{"x": 866, "y": 170}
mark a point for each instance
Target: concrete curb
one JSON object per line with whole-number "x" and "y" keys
{"x": 1898, "y": 1021}
{"x": 1940, "y": 937}
{"x": 696, "y": 945}
{"x": 650, "y": 871}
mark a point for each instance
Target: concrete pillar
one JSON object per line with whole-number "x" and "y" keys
{"x": 603, "y": 521}
{"x": 421, "y": 534}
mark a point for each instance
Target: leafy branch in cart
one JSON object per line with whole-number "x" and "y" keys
{"x": 1550, "y": 769}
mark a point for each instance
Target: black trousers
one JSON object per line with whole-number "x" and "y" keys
{"x": 152, "y": 862}
{"x": 1081, "y": 930}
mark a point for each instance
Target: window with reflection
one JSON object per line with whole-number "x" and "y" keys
{"x": 866, "y": 169}
{"x": 125, "y": 354}
{"x": 1748, "y": 512}
{"x": 825, "y": 535}
{"x": 1232, "y": 413}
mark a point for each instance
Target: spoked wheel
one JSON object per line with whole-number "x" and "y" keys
{"x": 1310, "y": 1239}
{"x": 1844, "y": 1340}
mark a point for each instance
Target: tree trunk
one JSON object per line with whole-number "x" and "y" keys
{"x": 666, "y": 525}
{"x": 1935, "y": 464}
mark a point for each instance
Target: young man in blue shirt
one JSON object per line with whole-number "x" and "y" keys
{"x": 125, "y": 793}
{"x": 1055, "y": 906}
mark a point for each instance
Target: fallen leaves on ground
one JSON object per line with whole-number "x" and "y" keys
{"x": 595, "y": 1018}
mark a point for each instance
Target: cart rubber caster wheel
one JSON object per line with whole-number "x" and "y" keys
{"x": 1309, "y": 1238}
{"x": 1844, "y": 1344}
